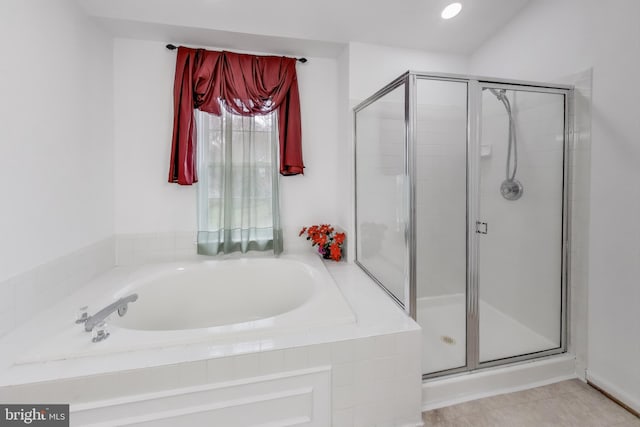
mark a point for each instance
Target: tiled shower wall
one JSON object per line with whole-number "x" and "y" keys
{"x": 441, "y": 188}
{"x": 520, "y": 259}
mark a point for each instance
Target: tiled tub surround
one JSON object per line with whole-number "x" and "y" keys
{"x": 141, "y": 248}
{"x": 207, "y": 300}
{"x": 26, "y": 295}
{"x": 358, "y": 374}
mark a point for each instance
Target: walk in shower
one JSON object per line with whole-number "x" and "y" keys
{"x": 461, "y": 214}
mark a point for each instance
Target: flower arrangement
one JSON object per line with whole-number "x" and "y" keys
{"x": 328, "y": 241}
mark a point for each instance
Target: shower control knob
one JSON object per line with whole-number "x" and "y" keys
{"x": 511, "y": 189}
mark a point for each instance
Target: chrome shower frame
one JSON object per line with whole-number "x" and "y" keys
{"x": 475, "y": 85}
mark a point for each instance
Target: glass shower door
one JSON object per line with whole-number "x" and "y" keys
{"x": 382, "y": 201}
{"x": 461, "y": 214}
{"x": 520, "y": 225}
{"x": 441, "y": 215}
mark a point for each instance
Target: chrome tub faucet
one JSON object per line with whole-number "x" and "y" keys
{"x": 121, "y": 306}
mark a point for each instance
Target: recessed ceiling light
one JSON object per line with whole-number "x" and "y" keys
{"x": 450, "y": 11}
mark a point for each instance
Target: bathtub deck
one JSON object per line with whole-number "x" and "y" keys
{"x": 371, "y": 367}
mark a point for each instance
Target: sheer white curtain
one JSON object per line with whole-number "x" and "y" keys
{"x": 238, "y": 200}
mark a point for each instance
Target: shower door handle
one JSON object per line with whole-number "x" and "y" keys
{"x": 481, "y": 227}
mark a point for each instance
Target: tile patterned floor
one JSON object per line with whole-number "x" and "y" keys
{"x": 568, "y": 403}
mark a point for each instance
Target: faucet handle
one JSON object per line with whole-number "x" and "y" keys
{"x": 122, "y": 310}
{"x": 100, "y": 332}
{"x": 83, "y": 314}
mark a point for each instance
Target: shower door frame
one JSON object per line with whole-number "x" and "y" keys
{"x": 475, "y": 86}
{"x": 408, "y": 304}
{"x": 474, "y": 127}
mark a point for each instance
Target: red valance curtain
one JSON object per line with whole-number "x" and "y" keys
{"x": 248, "y": 85}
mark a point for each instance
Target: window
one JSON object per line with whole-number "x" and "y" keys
{"x": 238, "y": 206}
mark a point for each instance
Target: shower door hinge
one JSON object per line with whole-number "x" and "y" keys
{"x": 481, "y": 227}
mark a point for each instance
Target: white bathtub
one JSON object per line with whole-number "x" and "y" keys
{"x": 215, "y": 301}
{"x": 212, "y": 294}
{"x": 278, "y": 347}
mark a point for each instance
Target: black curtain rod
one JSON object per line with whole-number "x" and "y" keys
{"x": 174, "y": 47}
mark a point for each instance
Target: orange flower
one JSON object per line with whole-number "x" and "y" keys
{"x": 335, "y": 252}
{"x": 329, "y": 243}
{"x": 322, "y": 239}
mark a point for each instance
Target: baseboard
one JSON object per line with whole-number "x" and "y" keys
{"x": 614, "y": 393}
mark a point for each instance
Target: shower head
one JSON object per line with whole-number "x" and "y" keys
{"x": 498, "y": 93}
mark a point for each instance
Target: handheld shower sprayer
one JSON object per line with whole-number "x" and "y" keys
{"x": 511, "y": 188}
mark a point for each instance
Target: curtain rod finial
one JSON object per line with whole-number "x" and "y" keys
{"x": 303, "y": 60}
{"x": 171, "y": 46}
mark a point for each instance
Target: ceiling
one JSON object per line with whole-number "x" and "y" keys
{"x": 319, "y": 27}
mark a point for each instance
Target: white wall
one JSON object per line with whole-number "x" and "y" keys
{"x": 312, "y": 198}
{"x": 344, "y": 154}
{"x": 368, "y": 69}
{"x": 143, "y": 99}
{"x": 147, "y": 203}
{"x": 56, "y": 116}
{"x": 551, "y": 39}
{"x": 371, "y": 66}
